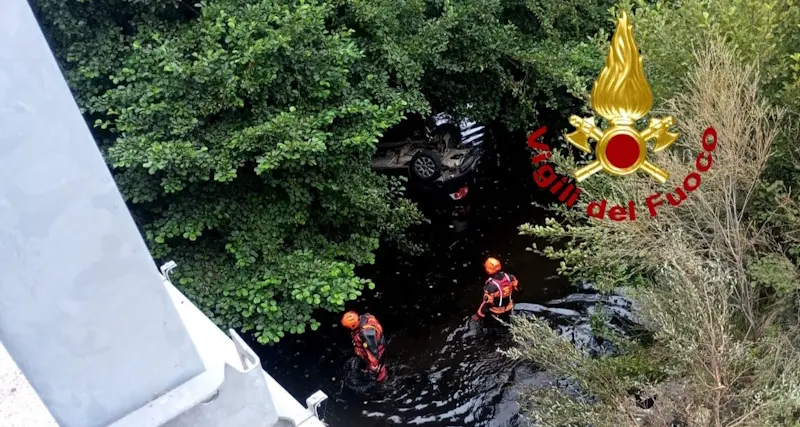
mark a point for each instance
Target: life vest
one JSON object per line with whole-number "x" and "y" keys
{"x": 503, "y": 289}
{"x": 368, "y": 339}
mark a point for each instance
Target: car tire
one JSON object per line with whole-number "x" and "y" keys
{"x": 426, "y": 165}
{"x": 449, "y": 134}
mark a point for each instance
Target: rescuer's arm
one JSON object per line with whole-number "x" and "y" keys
{"x": 514, "y": 281}
{"x": 486, "y": 304}
{"x": 358, "y": 346}
{"x": 483, "y": 310}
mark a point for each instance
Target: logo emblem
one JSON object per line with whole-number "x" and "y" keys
{"x": 621, "y": 95}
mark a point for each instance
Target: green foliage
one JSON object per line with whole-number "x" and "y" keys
{"x": 718, "y": 280}
{"x": 777, "y": 208}
{"x": 668, "y": 34}
{"x": 774, "y": 271}
{"x": 763, "y": 33}
{"x": 611, "y": 268}
{"x": 495, "y": 59}
{"x": 605, "y": 383}
{"x": 241, "y": 133}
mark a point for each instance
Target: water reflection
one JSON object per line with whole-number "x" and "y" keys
{"x": 465, "y": 381}
{"x": 456, "y": 388}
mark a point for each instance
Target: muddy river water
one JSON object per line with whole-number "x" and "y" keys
{"x": 444, "y": 369}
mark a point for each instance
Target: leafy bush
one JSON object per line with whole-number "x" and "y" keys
{"x": 725, "y": 330}
{"x": 241, "y": 133}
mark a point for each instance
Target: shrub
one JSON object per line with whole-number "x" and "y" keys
{"x": 726, "y": 339}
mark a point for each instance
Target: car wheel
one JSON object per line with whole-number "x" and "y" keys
{"x": 447, "y": 134}
{"x": 426, "y": 165}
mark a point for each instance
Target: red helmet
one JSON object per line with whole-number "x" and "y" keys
{"x": 492, "y": 266}
{"x": 350, "y": 320}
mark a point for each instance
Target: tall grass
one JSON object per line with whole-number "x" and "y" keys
{"x": 725, "y": 344}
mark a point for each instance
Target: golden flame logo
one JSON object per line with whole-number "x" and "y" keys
{"x": 622, "y": 96}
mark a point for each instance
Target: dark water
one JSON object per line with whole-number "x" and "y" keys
{"x": 444, "y": 370}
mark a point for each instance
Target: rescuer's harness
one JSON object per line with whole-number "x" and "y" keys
{"x": 369, "y": 345}
{"x": 504, "y": 288}
{"x": 368, "y": 340}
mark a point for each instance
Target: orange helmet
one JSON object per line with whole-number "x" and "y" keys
{"x": 350, "y": 320}
{"x": 491, "y": 265}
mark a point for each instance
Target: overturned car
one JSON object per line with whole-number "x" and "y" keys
{"x": 437, "y": 150}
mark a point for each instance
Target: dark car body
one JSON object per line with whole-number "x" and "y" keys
{"x": 455, "y": 148}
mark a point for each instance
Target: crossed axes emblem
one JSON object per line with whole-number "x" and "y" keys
{"x": 612, "y": 138}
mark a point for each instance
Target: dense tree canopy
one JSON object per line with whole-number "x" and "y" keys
{"x": 240, "y": 132}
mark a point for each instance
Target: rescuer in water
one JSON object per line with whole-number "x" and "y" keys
{"x": 498, "y": 290}
{"x": 368, "y": 341}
